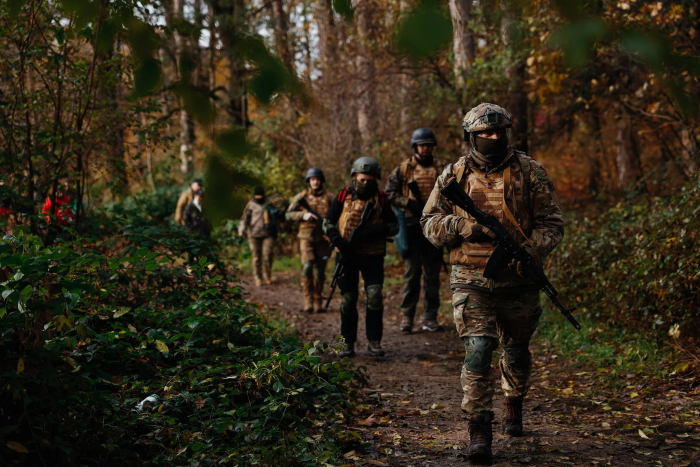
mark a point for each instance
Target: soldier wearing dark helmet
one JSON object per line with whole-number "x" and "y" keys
{"x": 365, "y": 255}
{"x": 515, "y": 189}
{"x": 419, "y": 172}
{"x": 313, "y": 244}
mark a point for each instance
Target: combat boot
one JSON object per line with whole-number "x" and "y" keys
{"x": 349, "y": 350}
{"x": 430, "y": 325}
{"x": 258, "y": 282}
{"x": 480, "y": 437}
{"x": 406, "y": 324}
{"x": 513, "y": 416}
{"x": 375, "y": 349}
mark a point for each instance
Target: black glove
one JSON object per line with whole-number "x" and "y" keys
{"x": 343, "y": 246}
{"x": 415, "y": 207}
{"x": 517, "y": 266}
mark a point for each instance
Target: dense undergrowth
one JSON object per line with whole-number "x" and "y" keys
{"x": 633, "y": 273}
{"x": 91, "y": 326}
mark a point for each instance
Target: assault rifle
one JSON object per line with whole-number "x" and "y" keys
{"x": 507, "y": 248}
{"x": 342, "y": 260}
{"x": 413, "y": 186}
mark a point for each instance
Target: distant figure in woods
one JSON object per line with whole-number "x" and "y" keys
{"x": 313, "y": 244}
{"x": 186, "y": 198}
{"x": 515, "y": 189}
{"x": 364, "y": 254}
{"x": 193, "y": 218}
{"x": 64, "y": 210}
{"x": 408, "y": 188}
{"x": 259, "y": 225}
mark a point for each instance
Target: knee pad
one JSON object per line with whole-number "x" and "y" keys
{"x": 479, "y": 352}
{"x": 349, "y": 303}
{"x": 517, "y": 356}
{"x": 307, "y": 269}
{"x": 374, "y": 297}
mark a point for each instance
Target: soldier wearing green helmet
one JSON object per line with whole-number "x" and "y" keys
{"x": 516, "y": 190}
{"x": 362, "y": 243}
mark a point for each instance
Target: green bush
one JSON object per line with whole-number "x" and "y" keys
{"x": 636, "y": 265}
{"x": 90, "y": 328}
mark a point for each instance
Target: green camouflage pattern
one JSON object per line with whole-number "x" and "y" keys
{"x": 509, "y": 317}
{"x": 544, "y": 219}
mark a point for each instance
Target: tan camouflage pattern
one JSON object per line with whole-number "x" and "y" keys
{"x": 397, "y": 184}
{"x": 261, "y": 250}
{"x": 539, "y": 215}
{"x": 313, "y": 287}
{"x": 472, "y": 120}
{"x": 350, "y": 218}
{"x": 254, "y": 221}
{"x": 319, "y": 202}
{"x": 509, "y": 317}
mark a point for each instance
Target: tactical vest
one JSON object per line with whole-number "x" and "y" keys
{"x": 424, "y": 176}
{"x": 490, "y": 193}
{"x": 352, "y": 213}
{"x": 320, "y": 204}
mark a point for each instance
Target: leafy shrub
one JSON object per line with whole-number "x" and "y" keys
{"x": 88, "y": 329}
{"x": 638, "y": 264}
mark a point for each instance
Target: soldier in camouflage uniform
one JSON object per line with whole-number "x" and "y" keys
{"x": 516, "y": 189}
{"x": 365, "y": 255}
{"x": 423, "y": 169}
{"x": 312, "y": 243}
{"x": 257, "y": 224}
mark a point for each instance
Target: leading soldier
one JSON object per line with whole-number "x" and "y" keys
{"x": 313, "y": 245}
{"x": 418, "y": 172}
{"x": 363, "y": 251}
{"x": 516, "y": 189}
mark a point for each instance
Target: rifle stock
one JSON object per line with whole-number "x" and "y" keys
{"x": 506, "y": 248}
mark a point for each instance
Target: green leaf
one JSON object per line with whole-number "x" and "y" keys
{"x": 142, "y": 251}
{"x": 424, "y": 31}
{"x": 15, "y": 6}
{"x": 233, "y": 142}
{"x": 72, "y": 299}
{"x": 147, "y": 77}
{"x": 7, "y": 293}
{"x": 576, "y": 39}
{"x": 278, "y": 386}
{"x": 121, "y": 311}
{"x": 344, "y": 8}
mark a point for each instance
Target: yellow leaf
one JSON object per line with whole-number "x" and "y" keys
{"x": 17, "y": 447}
{"x": 681, "y": 367}
{"x": 568, "y": 391}
{"x": 642, "y": 434}
{"x": 20, "y": 367}
{"x": 633, "y": 395}
{"x": 162, "y": 347}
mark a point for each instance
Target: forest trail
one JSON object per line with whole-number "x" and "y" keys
{"x": 410, "y": 411}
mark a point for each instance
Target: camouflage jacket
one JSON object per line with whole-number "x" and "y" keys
{"x": 396, "y": 186}
{"x": 254, "y": 221}
{"x": 537, "y": 213}
{"x": 319, "y": 202}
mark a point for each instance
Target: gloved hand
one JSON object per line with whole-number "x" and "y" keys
{"x": 415, "y": 207}
{"x": 473, "y": 232}
{"x": 517, "y": 266}
{"x": 343, "y": 246}
{"x": 309, "y": 217}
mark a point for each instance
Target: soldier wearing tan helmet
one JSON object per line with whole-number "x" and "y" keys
{"x": 515, "y": 189}
{"x": 313, "y": 244}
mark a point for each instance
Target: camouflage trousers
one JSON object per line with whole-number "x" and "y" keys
{"x": 312, "y": 261}
{"x": 510, "y": 318}
{"x": 261, "y": 250}
{"x": 423, "y": 257}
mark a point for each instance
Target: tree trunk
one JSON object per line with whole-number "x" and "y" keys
{"x": 462, "y": 40}
{"x": 516, "y": 101}
{"x": 629, "y": 170}
{"x": 406, "y": 86}
{"x": 689, "y": 152}
{"x": 281, "y": 32}
{"x": 228, "y": 14}
{"x": 365, "y": 94}
{"x": 186, "y": 123}
{"x": 326, "y": 36}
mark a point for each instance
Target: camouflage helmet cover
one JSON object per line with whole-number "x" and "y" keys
{"x": 366, "y": 165}
{"x": 486, "y": 116}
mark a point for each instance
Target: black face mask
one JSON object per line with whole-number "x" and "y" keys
{"x": 491, "y": 148}
{"x": 425, "y": 161}
{"x": 259, "y": 200}
{"x": 365, "y": 190}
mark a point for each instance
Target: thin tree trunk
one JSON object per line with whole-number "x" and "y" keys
{"x": 228, "y": 13}
{"x": 462, "y": 39}
{"x": 326, "y": 36}
{"x": 406, "y": 85}
{"x": 281, "y": 34}
{"x": 516, "y": 102}
{"x": 627, "y": 155}
{"x": 365, "y": 92}
{"x": 186, "y": 123}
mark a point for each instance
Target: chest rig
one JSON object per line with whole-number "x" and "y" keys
{"x": 503, "y": 194}
{"x": 353, "y": 208}
{"x": 320, "y": 204}
{"x": 424, "y": 176}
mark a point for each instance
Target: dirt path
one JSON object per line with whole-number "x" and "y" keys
{"x": 411, "y": 416}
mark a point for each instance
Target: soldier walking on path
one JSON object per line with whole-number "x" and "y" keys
{"x": 186, "y": 198}
{"x": 358, "y": 224}
{"x": 515, "y": 189}
{"x": 258, "y": 225}
{"x": 313, "y": 244}
{"x": 408, "y": 188}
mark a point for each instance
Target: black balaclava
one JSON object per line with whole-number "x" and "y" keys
{"x": 490, "y": 152}
{"x": 365, "y": 190}
{"x": 425, "y": 161}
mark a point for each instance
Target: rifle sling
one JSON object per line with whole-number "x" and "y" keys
{"x": 509, "y": 215}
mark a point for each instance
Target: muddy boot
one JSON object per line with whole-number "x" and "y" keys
{"x": 349, "y": 350}
{"x": 406, "y": 324}
{"x": 430, "y": 325}
{"x": 258, "y": 282}
{"x": 513, "y": 416}
{"x": 375, "y": 349}
{"x": 268, "y": 281}
{"x": 480, "y": 436}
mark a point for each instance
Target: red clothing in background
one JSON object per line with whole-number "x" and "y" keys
{"x": 64, "y": 211}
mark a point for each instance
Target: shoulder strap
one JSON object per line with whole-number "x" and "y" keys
{"x": 383, "y": 200}
{"x": 460, "y": 172}
{"x": 525, "y": 167}
{"x": 342, "y": 194}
